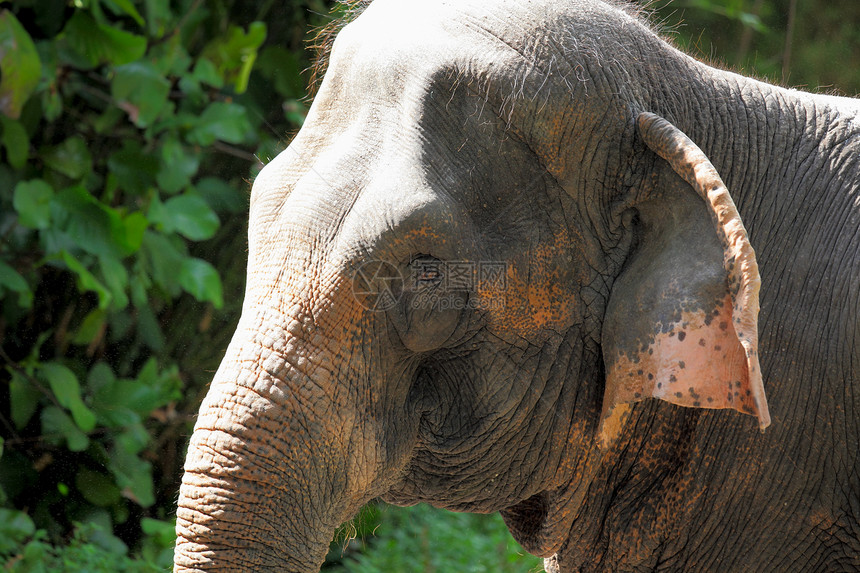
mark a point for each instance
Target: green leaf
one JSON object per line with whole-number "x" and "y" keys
{"x": 282, "y": 68}
{"x": 15, "y": 527}
{"x": 201, "y": 280}
{"x": 134, "y": 439}
{"x": 134, "y": 169}
{"x": 86, "y": 281}
{"x": 16, "y": 142}
{"x": 67, "y": 390}
{"x": 141, "y": 91}
{"x": 97, "y": 488}
{"x": 130, "y": 236}
{"x": 55, "y": 421}
{"x": 158, "y": 16}
{"x": 161, "y": 258}
{"x": 752, "y": 21}
{"x": 87, "y": 44}
{"x": 110, "y": 396}
{"x": 234, "y": 53}
{"x": 178, "y": 166}
{"x": 128, "y": 8}
{"x": 11, "y": 280}
{"x": 133, "y": 475}
{"x": 23, "y": 398}
{"x": 164, "y": 383}
{"x": 133, "y": 400}
{"x": 32, "y": 201}
{"x": 91, "y": 327}
{"x": 148, "y": 328}
{"x": 221, "y": 196}
{"x": 116, "y": 279}
{"x": 221, "y": 120}
{"x": 206, "y": 72}
{"x": 20, "y": 66}
{"x": 72, "y": 158}
{"x": 92, "y": 225}
{"x": 188, "y": 215}
{"x": 100, "y": 376}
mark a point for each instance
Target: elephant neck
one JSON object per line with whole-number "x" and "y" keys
{"x": 790, "y": 162}
{"x": 771, "y": 145}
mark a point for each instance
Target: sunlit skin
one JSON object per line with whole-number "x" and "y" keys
{"x": 602, "y": 376}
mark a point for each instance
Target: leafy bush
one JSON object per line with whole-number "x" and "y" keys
{"x": 128, "y": 133}
{"x": 91, "y": 549}
{"x": 421, "y": 538}
{"x": 789, "y": 42}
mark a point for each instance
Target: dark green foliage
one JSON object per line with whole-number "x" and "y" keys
{"x": 421, "y": 538}
{"x": 129, "y": 132}
{"x": 814, "y": 45}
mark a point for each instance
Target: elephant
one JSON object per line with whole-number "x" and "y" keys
{"x": 530, "y": 258}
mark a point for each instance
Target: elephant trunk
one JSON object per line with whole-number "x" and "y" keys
{"x": 252, "y": 497}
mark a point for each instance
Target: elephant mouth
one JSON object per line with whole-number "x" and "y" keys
{"x": 527, "y": 522}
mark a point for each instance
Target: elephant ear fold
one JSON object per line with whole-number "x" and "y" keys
{"x": 681, "y": 322}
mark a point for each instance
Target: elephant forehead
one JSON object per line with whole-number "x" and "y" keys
{"x": 382, "y": 53}
{"x": 404, "y": 65}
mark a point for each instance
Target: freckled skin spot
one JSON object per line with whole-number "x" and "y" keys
{"x": 697, "y": 374}
{"x": 535, "y": 295}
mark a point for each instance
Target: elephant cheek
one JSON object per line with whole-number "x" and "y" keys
{"x": 537, "y": 294}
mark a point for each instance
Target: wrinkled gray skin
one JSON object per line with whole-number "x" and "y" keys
{"x": 505, "y": 131}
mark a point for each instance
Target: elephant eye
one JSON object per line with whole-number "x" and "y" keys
{"x": 426, "y": 272}
{"x": 429, "y": 275}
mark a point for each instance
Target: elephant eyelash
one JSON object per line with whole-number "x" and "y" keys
{"x": 433, "y": 275}
{"x": 426, "y": 271}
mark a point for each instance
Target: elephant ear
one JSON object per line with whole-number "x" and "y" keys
{"x": 681, "y": 322}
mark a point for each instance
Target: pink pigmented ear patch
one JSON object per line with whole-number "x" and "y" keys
{"x": 697, "y": 362}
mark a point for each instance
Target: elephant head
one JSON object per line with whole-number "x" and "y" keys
{"x": 491, "y": 260}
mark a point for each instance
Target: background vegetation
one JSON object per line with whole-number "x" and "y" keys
{"x": 129, "y": 133}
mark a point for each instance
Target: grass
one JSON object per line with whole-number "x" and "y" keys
{"x": 423, "y": 539}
